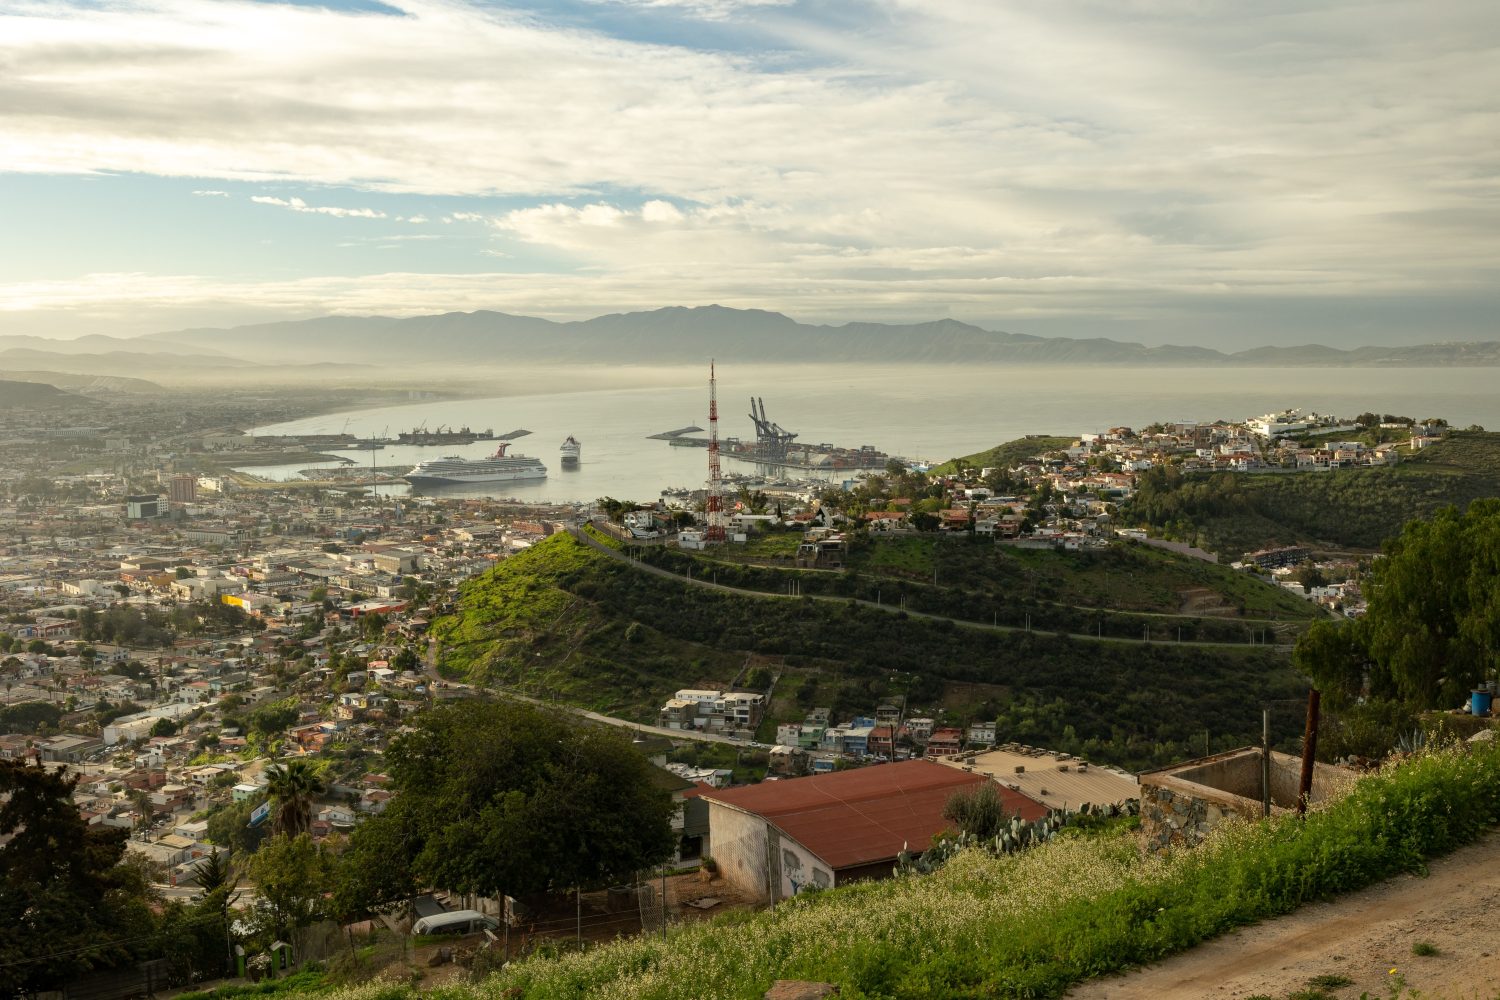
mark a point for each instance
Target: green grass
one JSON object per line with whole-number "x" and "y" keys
{"x": 1035, "y": 924}
{"x": 1425, "y": 949}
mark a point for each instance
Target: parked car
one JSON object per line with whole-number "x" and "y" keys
{"x": 455, "y": 922}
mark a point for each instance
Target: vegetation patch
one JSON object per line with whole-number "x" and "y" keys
{"x": 1034, "y": 924}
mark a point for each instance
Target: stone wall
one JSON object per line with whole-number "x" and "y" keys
{"x": 1182, "y": 803}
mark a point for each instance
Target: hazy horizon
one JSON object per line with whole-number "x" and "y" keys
{"x": 1208, "y": 174}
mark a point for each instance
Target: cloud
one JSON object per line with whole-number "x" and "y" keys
{"x": 1109, "y": 160}
{"x": 707, "y": 10}
{"x": 211, "y": 194}
{"x": 298, "y": 205}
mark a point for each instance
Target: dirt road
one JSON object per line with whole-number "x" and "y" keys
{"x": 1456, "y": 909}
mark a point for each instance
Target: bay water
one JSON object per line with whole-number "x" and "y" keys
{"x": 925, "y": 412}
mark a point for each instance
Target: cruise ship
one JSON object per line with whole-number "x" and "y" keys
{"x": 455, "y": 471}
{"x": 571, "y": 449}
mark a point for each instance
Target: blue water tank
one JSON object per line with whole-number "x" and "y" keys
{"x": 1479, "y": 702}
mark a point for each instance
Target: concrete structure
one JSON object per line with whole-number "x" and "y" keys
{"x": 1181, "y": 804}
{"x": 1057, "y": 780}
{"x": 183, "y": 488}
{"x": 143, "y": 506}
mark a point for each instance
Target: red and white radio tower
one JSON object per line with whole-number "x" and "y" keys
{"x": 713, "y": 505}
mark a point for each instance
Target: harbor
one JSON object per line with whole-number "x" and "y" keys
{"x": 776, "y": 449}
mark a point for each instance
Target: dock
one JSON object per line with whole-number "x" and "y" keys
{"x": 679, "y": 432}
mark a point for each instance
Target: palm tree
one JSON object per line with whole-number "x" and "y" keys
{"x": 293, "y": 785}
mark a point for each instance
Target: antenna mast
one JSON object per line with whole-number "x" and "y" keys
{"x": 713, "y": 505}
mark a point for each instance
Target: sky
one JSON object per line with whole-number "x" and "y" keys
{"x": 1209, "y": 172}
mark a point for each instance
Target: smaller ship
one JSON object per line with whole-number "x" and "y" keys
{"x": 570, "y": 452}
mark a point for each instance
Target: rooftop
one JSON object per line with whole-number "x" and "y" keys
{"x": 858, "y": 817}
{"x": 1056, "y": 780}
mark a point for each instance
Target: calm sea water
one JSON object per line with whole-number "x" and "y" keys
{"x": 919, "y": 412}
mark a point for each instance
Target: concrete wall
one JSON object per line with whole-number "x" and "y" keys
{"x": 1180, "y": 805}
{"x": 737, "y": 841}
{"x": 800, "y": 869}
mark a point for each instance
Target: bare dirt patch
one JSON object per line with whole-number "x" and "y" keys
{"x": 1363, "y": 936}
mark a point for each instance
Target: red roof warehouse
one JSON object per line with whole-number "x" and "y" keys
{"x": 781, "y": 836}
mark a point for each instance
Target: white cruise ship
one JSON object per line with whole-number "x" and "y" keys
{"x": 571, "y": 449}
{"x": 455, "y": 471}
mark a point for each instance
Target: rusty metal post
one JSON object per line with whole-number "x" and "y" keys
{"x": 1309, "y": 749}
{"x": 1265, "y": 762}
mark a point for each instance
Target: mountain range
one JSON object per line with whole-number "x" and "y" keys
{"x": 661, "y": 336}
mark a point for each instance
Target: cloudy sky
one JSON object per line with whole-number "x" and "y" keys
{"x": 1189, "y": 171}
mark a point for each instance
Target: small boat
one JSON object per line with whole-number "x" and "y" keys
{"x": 570, "y": 452}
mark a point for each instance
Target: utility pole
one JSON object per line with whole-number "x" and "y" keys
{"x": 1265, "y": 762}
{"x": 1309, "y": 749}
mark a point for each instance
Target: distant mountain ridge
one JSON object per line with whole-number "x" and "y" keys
{"x": 681, "y": 333}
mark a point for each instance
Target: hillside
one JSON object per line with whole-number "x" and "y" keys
{"x": 563, "y": 621}
{"x": 1125, "y": 590}
{"x": 14, "y": 393}
{"x": 1007, "y": 455}
{"x": 1357, "y": 509}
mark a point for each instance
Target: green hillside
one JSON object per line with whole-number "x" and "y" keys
{"x": 1121, "y": 587}
{"x": 1009, "y": 454}
{"x": 561, "y": 620}
{"x": 1234, "y": 513}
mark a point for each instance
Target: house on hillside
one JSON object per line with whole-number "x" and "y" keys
{"x": 775, "y": 839}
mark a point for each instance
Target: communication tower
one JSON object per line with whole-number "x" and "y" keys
{"x": 713, "y": 504}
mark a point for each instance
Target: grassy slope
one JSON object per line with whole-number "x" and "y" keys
{"x": 1357, "y": 508}
{"x": 1125, "y": 577}
{"x": 556, "y": 620}
{"x": 1009, "y": 454}
{"x": 1031, "y": 925}
{"x": 1124, "y": 591}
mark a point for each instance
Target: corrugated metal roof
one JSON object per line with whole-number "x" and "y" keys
{"x": 858, "y": 817}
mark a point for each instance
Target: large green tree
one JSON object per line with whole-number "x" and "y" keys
{"x": 503, "y": 797}
{"x": 291, "y": 876}
{"x": 1432, "y": 629}
{"x": 67, "y": 903}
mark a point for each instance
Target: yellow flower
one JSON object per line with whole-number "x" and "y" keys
{"x": 1391, "y": 973}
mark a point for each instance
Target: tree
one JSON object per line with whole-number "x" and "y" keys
{"x": 145, "y": 809}
{"x": 1432, "y": 629}
{"x": 164, "y": 727}
{"x": 67, "y": 904}
{"x": 229, "y": 827}
{"x": 293, "y": 786}
{"x": 510, "y": 798}
{"x": 291, "y": 874}
{"x": 978, "y": 811}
